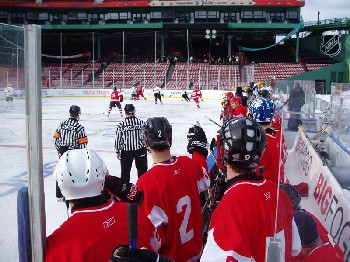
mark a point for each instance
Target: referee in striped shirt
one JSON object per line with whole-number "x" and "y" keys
{"x": 70, "y": 134}
{"x": 129, "y": 144}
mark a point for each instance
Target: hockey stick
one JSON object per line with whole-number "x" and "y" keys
{"x": 283, "y": 104}
{"x": 132, "y": 225}
{"x": 279, "y": 108}
{"x": 212, "y": 200}
{"x": 211, "y": 120}
{"x": 24, "y": 235}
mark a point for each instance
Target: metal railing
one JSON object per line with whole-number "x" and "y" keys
{"x": 333, "y": 21}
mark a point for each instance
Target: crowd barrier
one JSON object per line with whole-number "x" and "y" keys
{"x": 326, "y": 200}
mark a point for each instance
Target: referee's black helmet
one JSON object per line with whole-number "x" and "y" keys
{"x": 74, "y": 111}
{"x": 129, "y": 109}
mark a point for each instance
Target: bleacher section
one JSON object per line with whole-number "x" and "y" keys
{"x": 68, "y": 1}
{"x": 151, "y": 74}
{"x": 24, "y": 1}
{"x": 264, "y": 72}
{"x": 81, "y": 75}
{"x": 203, "y": 75}
{"x": 174, "y": 76}
{"x": 9, "y": 74}
{"x": 312, "y": 67}
{"x": 74, "y": 75}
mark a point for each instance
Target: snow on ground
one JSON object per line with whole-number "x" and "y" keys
{"x": 100, "y": 131}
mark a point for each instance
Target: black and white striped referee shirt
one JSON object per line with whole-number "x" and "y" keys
{"x": 129, "y": 135}
{"x": 70, "y": 134}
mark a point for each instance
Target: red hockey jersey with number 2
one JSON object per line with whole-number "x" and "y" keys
{"x": 172, "y": 204}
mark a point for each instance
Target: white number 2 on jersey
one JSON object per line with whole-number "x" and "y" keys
{"x": 184, "y": 235}
{"x": 159, "y": 133}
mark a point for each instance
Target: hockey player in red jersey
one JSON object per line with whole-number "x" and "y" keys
{"x": 196, "y": 95}
{"x": 96, "y": 224}
{"x": 116, "y": 98}
{"x": 313, "y": 248}
{"x": 262, "y": 110}
{"x": 139, "y": 92}
{"x": 244, "y": 220}
{"x": 226, "y": 105}
{"x": 238, "y": 108}
{"x": 171, "y": 189}
{"x": 313, "y": 235}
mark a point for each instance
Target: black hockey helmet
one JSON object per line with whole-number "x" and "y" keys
{"x": 114, "y": 88}
{"x": 157, "y": 132}
{"x": 129, "y": 109}
{"x": 74, "y": 111}
{"x": 263, "y": 92}
{"x": 243, "y": 142}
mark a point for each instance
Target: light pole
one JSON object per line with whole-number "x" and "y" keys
{"x": 210, "y": 34}
{"x": 318, "y": 17}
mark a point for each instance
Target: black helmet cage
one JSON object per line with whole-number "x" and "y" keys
{"x": 157, "y": 132}
{"x": 74, "y": 110}
{"x": 243, "y": 141}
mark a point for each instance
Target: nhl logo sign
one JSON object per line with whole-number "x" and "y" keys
{"x": 330, "y": 45}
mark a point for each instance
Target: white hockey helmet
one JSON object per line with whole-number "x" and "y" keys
{"x": 80, "y": 173}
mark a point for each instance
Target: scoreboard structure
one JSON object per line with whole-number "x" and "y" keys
{"x": 236, "y": 23}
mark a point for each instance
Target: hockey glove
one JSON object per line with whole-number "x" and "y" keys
{"x": 213, "y": 144}
{"x": 197, "y": 141}
{"x": 125, "y": 192}
{"x": 127, "y": 254}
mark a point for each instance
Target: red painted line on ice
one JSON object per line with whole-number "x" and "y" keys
{"x": 22, "y": 146}
{"x": 54, "y": 149}
{"x": 16, "y": 146}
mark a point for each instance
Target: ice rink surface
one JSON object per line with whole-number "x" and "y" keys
{"x": 100, "y": 131}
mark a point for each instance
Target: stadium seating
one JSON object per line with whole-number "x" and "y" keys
{"x": 25, "y": 1}
{"x": 150, "y": 73}
{"x": 265, "y": 72}
{"x": 203, "y": 74}
{"x": 312, "y": 67}
{"x": 174, "y": 76}
{"x": 68, "y": 1}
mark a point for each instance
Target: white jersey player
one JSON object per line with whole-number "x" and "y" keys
{"x": 9, "y": 94}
